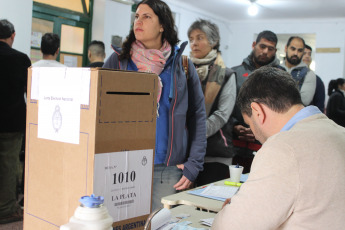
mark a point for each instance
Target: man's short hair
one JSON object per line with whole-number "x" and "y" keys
{"x": 97, "y": 48}
{"x": 50, "y": 43}
{"x": 270, "y": 86}
{"x": 293, "y": 37}
{"x": 308, "y": 47}
{"x": 6, "y": 29}
{"x": 268, "y": 35}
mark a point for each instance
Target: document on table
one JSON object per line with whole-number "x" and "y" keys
{"x": 207, "y": 222}
{"x": 220, "y": 193}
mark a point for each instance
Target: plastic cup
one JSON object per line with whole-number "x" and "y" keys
{"x": 235, "y": 173}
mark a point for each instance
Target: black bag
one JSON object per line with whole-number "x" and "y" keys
{"x": 220, "y": 143}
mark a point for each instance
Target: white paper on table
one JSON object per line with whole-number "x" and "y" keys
{"x": 161, "y": 218}
{"x": 207, "y": 222}
{"x": 220, "y": 191}
{"x": 124, "y": 180}
{"x": 59, "y": 104}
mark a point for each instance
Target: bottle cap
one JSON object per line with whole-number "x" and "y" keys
{"x": 91, "y": 201}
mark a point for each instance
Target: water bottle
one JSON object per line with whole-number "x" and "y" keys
{"x": 90, "y": 215}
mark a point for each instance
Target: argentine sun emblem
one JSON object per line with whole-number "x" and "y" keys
{"x": 57, "y": 119}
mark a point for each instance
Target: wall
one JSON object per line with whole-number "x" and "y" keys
{"x": 237, "y": 36}
{"x": 19, "y": 13}
{"x": 110, "y": 18}
{"x": 329, "y": 33}
{"x": 186, "y": 15}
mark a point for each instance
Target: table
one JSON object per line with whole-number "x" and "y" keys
{"x": 195, "y": 215}
{"x": 185, "y": 198}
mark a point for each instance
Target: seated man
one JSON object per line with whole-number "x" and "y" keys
{"x": 50, "y": 47}
{"x": 297, "y": 177}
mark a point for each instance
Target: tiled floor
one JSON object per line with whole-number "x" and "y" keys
{"x": 12, "y": 226}
{"x": 15, "y": 225}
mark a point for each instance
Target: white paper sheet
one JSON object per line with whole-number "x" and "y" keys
{"x": 85, "y": 82}
{"x": 70, "y": 61}
{"x": 220, "y": 191}
{"x": 124, "y": 180}
{"x": 59, "y": 104}
{"x": 160, "y": 219}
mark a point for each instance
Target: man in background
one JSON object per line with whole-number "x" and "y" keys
{"x": 284, "y": 189}
{"x": 50, "y": 48}
{"x": 13, "y": 81}
{"x": 263, "y": 54}
{"x": 319, "y": 96}
{"x": 305, "y": 78}
{"x": 96, "y": 54}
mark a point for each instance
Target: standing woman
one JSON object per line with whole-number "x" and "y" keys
{"x": 219, "y": 88}
{"x": 151, "y": 46}
{"x": 336, "y": 102}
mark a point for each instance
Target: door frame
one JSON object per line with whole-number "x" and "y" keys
{"x": 61, "y": 16}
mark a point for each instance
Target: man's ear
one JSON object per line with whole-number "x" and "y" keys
{"x": 254, "y": 44}
{"x": 285, "y": 49}
{"x": 89, "y": 54}
{"x": 258, "y": 111}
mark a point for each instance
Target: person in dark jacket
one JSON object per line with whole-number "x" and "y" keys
{"x": 180, "y": 147}
{"x": 13, "y": 80}
{"x": 320, "y": 95}
{"x": 219, "y": 88}
{"x": 96, "y": 53}
{"x": 263, "y": 54}
{"x": 336, "y": 102}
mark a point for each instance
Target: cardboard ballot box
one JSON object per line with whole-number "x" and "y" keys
{"x": 89, "y": 131}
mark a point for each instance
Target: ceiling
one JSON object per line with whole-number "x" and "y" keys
{"x": 269, "y": 9}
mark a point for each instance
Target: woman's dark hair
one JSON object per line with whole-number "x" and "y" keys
{"x": 334, "y": 84}
{"x": 162, "y": 10}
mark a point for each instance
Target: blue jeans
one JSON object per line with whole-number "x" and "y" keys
{"x": 164, "y": 178}
{"x": 10, "y": 146}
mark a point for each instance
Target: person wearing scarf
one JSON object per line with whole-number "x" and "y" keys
{"x": 219, "y": 89}
{"x": 180, "y": 144}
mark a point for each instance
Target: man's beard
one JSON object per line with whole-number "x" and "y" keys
{"x": 293, "y": 61}
{"x": 263, "y": 63}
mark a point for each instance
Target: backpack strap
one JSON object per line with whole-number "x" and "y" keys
{"x": 185, "y": 65}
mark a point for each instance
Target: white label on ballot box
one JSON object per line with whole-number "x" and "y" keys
{"x": 59, "y": 104}
{"x": 124, "y": 180}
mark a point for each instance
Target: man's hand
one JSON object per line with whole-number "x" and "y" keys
{"x": 244, "y": 134}
{"x": 183, "y": 183}
{"x": 227, "y": 201}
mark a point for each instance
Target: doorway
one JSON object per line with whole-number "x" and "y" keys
{"x": 72, "y": 28}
